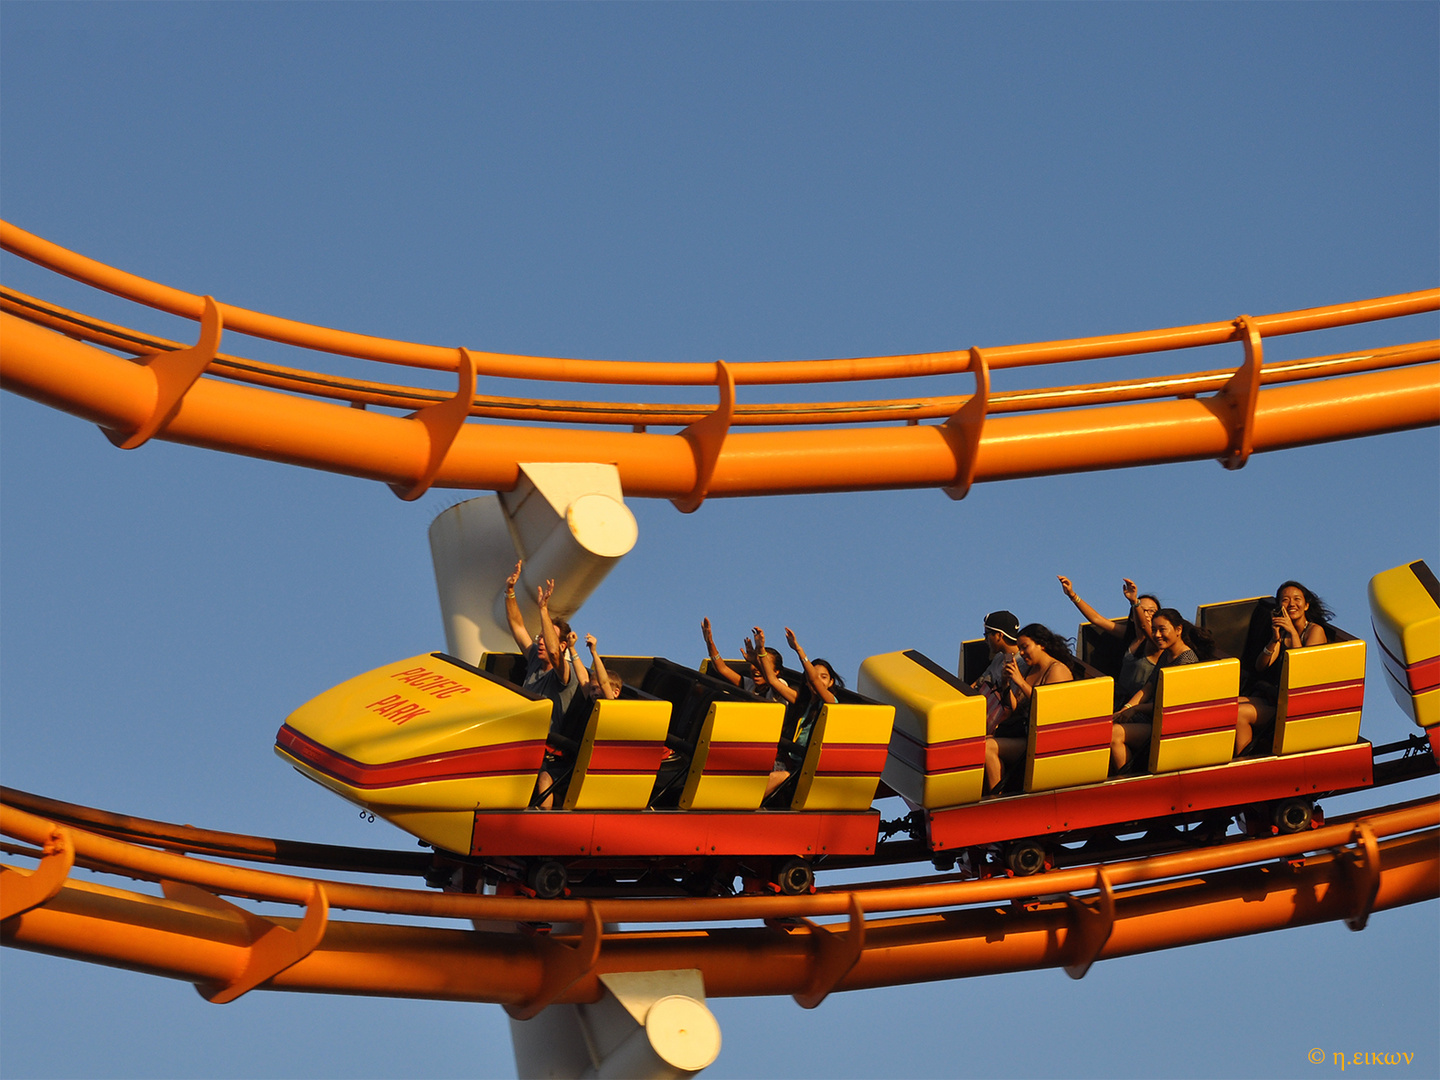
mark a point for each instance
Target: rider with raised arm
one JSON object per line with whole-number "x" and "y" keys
{"x": 543, "y": 674}
{"x": 1141, "y": 649}
{"x": 603, "y": 684}
{"x": 823, "y": 681}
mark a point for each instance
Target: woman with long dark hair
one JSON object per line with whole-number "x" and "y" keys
{"x": 1297, "y": 618}
{"x": 1048, "y": 658}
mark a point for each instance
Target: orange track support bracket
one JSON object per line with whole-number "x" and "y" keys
{"x": 564, "y": 965}
{"x": 442, "y": 423}
{"x": 835, "y": 954}
{"x": 1364, "y": 867}
{"x": 271, "y": 948}
{"x": 174, "y": 373}
{"x": 19, "y": 891}
{"x": 706, "y": 438}
{"x": 964, "y": 428}
{"x": 1090, "y": 927}
{"x": 1241, "y": 394}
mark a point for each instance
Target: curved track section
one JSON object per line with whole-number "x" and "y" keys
{"x": 889, "y": 932}
{"x": 201, "y": 396}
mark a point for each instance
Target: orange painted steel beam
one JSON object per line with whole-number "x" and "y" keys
{"x": 562, "y": 369}
{"x": 194, "y": 942}
{"x": 629, "y": 414}
{"x": 146, "y": 864}
{"x": 117, "y": 394}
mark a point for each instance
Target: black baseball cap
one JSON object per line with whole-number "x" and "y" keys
{"x": 1003, "y": 623}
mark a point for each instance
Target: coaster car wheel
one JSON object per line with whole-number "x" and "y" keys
{"x": 795, "y": 877}
{"x": 1025, "y": 857}
{"x": 1292, "y": 815}
{"x": 547, "y": 878}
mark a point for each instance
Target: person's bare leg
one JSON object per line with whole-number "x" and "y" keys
{"x": 992, "y": 765}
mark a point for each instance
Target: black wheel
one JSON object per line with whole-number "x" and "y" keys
{"x": 1292, "y": 815}
{"x": 1025, "y": 857}
{"x": 795, "y": 877}
{"x": 548, "y": 878}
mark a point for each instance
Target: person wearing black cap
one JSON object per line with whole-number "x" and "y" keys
{"x": 1002, "y": 631}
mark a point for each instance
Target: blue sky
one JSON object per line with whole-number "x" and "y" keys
{"x": 669, "y": 182}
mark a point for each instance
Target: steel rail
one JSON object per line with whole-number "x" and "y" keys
{"x": 190, "y": 840}
{"x": 562, "y": 369}
{"x": 962, "y": 934}
{"x": 121, "y": 395}
{"x": 148, "y": 864}
{"x": 641, "y": 414}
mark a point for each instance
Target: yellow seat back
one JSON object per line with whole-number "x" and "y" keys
{"x": 937, "y": 748}
{"x": 619, "y": 756}
{"x": 1196, "y": 707}
{"x": 734, "y": 756}
{"x": 1069, "y": 740}
{"x": 845, "y": 758}
{"x": 1322, "y": 688}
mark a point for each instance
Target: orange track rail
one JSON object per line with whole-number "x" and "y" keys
{"x": 941, "y": 929}
{"x": 935, "y": 929}
{"x": 1254, "y": 407}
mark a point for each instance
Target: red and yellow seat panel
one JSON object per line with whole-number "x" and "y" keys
{"x": 1196, "y": 708}
{"x": 845, "y": 757}
{"x": 1069, "y": 740}
{"x": 1322, "y": 689}
{"x": 619, "y": 755}
{"x": 734, "y": 756}
{"x": 937, "y": 748}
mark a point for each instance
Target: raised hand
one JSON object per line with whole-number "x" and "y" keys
{"x": 1130, "y": 590}
{"x": 591, "y": 642}
{"x": 1066, "y": 586}
{"x": 544, "y": 592}
{"x": 794, "y": 645}
{"x": 759, "y": 639}
{"x": 514, "y": 576}
{"x": 705, "y": 629}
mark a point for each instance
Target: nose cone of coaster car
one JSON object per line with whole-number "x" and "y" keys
{"x": 423, "y": 742}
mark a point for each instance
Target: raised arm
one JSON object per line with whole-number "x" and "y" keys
{"x": 811, "y": 675}
{"x": 558, "y": 659}
{"x": 722, "y": 669}
{"x": 512, "y": 611}
{"x": 602, "y": 677}
{"x": 581, "y": 675}
{"x": 1109, "y": 626}
{"x": 767, "y": 665}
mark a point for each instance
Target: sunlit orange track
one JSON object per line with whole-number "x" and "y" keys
{"x": 939, "y": 929}
{"x": 138, "y": 385}
{"x": 291, "y": 415}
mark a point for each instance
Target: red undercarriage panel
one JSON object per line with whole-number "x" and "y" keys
{"x": 1138, "y": 798}
{"x": 627, "y": 833}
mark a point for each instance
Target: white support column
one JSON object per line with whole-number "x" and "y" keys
{"x": 568, "y": 521}
{"x": 650, "y": 1025}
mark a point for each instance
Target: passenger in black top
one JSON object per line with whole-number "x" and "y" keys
{"x": 1297, "y": 618}
{"x": 1180, "y": 642}
{"x": 823, "y": 681}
